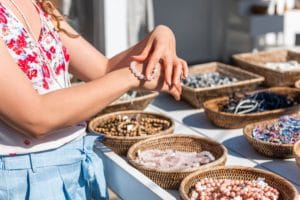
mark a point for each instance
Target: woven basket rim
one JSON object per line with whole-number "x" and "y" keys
{"x": 255, "y": 78}
{"x": 247, "y": 132}
{"x": 295, "y": 149}
{"x": 234, "y": 167}
{"x": 133, "y": 148}
{"x": 96, "y": 119}
{"x": 151, "y": 94}
{"x": 206, "y": 104}
{"x": 297, "y": 84}
{"x": 243, "y": 58}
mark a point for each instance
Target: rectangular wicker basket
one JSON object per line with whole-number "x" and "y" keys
{"x": 255, "y": 62}
{"x": 197, "y": 96}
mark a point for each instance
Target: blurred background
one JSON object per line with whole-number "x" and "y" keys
{"x": 206, "y": 30}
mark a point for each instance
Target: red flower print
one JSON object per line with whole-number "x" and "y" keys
{"x": 45, "y": 84}
{"x": 59, "y": 68}
{"x": 21, "y": 41}
{"x": 23, "y": 65}
{"x": 49, "y": 56}
{"x": 3, "y": 19}
{"x": 11, "y": 44}
{"x": 18, "y": 50}
{"x": 32, "y": 58}
{"x": 52, "y": 50}
{"x": 2, "y": 10}
{"x": 45, "y": 70}
{"x": 32, "y": 73}
{"x": 66, "y": 54}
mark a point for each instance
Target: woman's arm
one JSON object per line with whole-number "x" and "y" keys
{"x": 37, "y": 115}
{"x": 158, "y": 47}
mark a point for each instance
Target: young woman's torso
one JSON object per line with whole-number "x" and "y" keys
{"x": 35, "y": 45}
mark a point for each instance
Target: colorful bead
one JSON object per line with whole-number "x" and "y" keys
{"x": 285, "y": 131}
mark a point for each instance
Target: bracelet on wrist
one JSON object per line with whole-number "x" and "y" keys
{"x": 138, "y": 74}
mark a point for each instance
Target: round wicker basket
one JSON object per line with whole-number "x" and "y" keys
{"x": 286, "y": 189}
{"x": 231, "y": 120}
{"x": 297, "y": 153}
{"x": 267, "y": 148}
{"x": 171, "y": 179}
{"x": 138, "y": 103}
{"x": 121, "y": 144}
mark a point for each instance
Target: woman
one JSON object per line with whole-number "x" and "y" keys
{"x": 45, "y": 153}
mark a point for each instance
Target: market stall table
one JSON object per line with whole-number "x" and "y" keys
{"x": 129, "y": 183}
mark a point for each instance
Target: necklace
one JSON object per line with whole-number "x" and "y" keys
{"x": 38, "y": 45}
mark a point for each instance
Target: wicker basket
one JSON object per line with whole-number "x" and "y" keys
{"x": 196, "y": 96}
{"x": 255, "y": 62}
{"x": 171, "y": 179}
{"x": 138, "y": 103}
{"x": 121, "y": 144}
{"x": 230, "y": 120}
{"x": 267, "y": 148}
{"x": 286, "y": 189}
{"x": 297, "y": 153}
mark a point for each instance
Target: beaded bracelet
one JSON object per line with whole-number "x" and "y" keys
{"x": 140, "y": 75}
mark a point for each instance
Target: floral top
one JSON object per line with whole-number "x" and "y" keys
{"x": 45, "y": 63}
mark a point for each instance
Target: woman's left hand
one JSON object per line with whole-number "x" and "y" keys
{"x": 160, "y": 48}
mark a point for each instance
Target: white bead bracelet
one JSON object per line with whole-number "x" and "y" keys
{"x": 139, "y": 74}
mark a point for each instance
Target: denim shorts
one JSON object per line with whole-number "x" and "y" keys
{"x": 71, "y": 172}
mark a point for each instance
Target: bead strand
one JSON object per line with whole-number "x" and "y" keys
{"x": 140, "y": 75}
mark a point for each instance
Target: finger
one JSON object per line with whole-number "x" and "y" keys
{"x": 153, "y": 61}
{"x": 175, "y": 93}
{"x": 144, "y": 55}
{"x": 168, "y": 65}
{"x": 185, "y": 68}
{"x": 176, "y": 78}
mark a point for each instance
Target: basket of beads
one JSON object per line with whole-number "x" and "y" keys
{"x": 274, "y": 138}
{"x": 211, "y": 80}
{"x": 279, "y": 67}
{"x": 236, "y": 182}
{"x": 122, "y": 129}
{"x": 132, "y": 100}
{"x": 245, "y": 108}
{"x": 168, "y": 159}
{"x": 296, "y": 152}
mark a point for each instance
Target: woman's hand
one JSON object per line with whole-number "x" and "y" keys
{"x": 157, "y": 82}
{"x": 160, "y": 48}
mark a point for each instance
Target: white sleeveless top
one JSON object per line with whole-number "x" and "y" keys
{"x": 46, "y": 66}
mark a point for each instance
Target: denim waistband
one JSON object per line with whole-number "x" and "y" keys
{"x": 76, "y": 151}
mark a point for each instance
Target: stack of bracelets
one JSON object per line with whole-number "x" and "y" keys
{"x": 208, "y": 80}
{"x": 285, "y": 131}
{"x": 258, "y": 102}
{"x": 132, "y": 126}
